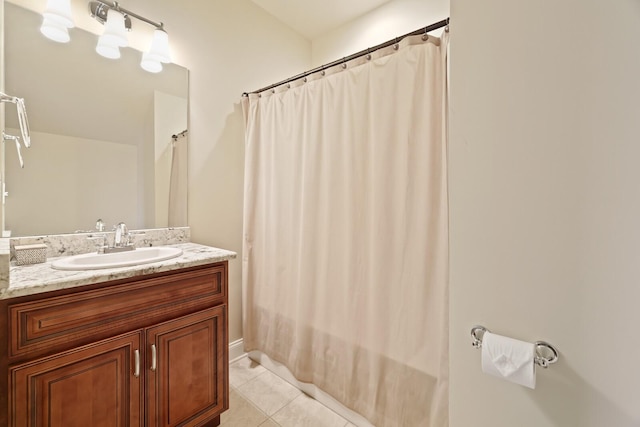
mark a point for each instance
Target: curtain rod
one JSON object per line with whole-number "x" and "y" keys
{"x": 364, "y": 52}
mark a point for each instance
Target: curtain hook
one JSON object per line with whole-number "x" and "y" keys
{"x": 425, "y": 36}
{"x": 368, "y": 53}
{"x": 323, "y": 73}
{"x": 344, "y": 63}
{"x": 396, "y": 46}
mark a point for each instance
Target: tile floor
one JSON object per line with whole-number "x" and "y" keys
{"x": 258, "y": 397}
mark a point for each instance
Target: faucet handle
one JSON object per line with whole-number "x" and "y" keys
{"x": 101, "y": 242}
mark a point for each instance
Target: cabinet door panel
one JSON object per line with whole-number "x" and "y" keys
{"x": 93, "y": 386}
{"x": 189, "y": 384}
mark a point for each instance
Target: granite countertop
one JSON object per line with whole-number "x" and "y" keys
{"x": 39, "y": 278}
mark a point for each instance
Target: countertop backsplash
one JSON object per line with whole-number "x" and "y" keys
{"x": 80, "y": 243}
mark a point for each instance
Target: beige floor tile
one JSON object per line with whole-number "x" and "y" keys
{"x": 241, "y": 413}
{"x": 269, "y": 392}
{"x": 269, "y": 423}
{"x": 307, "y": 412}
{"x": 244, "y": 370}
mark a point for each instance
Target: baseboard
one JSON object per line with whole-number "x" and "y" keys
{"x": 236, "y": 350}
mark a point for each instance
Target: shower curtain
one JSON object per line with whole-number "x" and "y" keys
{"x": 345, "y": 255}
{"x": 178, "y": 181}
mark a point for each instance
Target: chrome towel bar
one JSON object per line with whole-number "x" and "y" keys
{"x": 546, "y": 354}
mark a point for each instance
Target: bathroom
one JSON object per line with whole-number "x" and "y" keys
{"x": 542, "y": 175}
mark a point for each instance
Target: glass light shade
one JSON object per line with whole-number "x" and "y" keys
{"x": 54, "y": 31}
{"x": 150, "y": 64}
{"x": 107, "y": 49}
{"x": 59, "y": 11}
{"x": 159, "y": 50}
{"x": 115, "y": 33}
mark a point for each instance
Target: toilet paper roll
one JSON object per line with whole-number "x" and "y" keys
{"x": 509, "y": 359}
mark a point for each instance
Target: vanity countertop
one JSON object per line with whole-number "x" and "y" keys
{"x": 39, "y": 278}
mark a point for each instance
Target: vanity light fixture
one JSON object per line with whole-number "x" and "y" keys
{"x": 56, "y": 20}
{"x": 117, "y": 22}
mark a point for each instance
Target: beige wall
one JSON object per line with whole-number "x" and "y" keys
{"x": 229, "y": 47}
{"x": 544, "y": 206}
{"x": 390, "y": 20}
{"x": 76, "y": 171}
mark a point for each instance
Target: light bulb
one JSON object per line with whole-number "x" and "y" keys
{"x": 115, "y": 33}
{"x": 107, "y": 49}
{"x": 150, "y": 64}
{"x": 59, "y": 11}
{"x": 159, "y": 50}
{"x": 55, "y": 31}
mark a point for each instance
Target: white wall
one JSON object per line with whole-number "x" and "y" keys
{"x": 390, "y": 20}
{"x": 544, "y": 206}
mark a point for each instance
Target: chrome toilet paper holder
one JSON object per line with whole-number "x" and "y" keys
{"x": 546, "y": 354}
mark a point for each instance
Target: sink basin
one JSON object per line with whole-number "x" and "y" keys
{"x": 95, "y": 261}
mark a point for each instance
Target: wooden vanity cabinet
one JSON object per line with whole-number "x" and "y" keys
{"x": 145, "y": 351}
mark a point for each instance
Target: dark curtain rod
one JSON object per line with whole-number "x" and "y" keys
{"x": 364, "y": 52}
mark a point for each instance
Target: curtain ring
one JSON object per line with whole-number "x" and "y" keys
{"x": 288, "y": 85}
{"x": 425, "y": 36}
{"x": 304, "y": 80}
{"x": 344, "y": 63}
{"x": 323, "y": 73}
{"x": 396, "y": 46}
{"x": 446, "y": 29}
{"x": 368, "y": 54}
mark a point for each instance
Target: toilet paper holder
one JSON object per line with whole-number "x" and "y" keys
{"x": 546, "y": 354}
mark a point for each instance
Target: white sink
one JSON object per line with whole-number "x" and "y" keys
{"x": 95, "y": 261}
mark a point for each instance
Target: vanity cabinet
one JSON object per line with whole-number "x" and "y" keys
{"x": 144, "y": 351}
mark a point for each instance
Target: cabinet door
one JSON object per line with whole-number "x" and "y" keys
{"x": 187, "y": 369}
{"x": 94, "y": 385}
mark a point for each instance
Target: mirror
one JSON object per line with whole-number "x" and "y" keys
{"x": 101, "y": 134}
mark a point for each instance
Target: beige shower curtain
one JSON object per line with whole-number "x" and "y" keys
{"x": 345, "y": 254}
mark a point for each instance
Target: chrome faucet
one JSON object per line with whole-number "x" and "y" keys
{"x": 121, "y": 239}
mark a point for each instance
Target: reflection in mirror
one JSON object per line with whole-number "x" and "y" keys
{"x": 101, "y": 133}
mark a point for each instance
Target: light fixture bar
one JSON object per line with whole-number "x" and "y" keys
{"x": 98, "y": 10}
